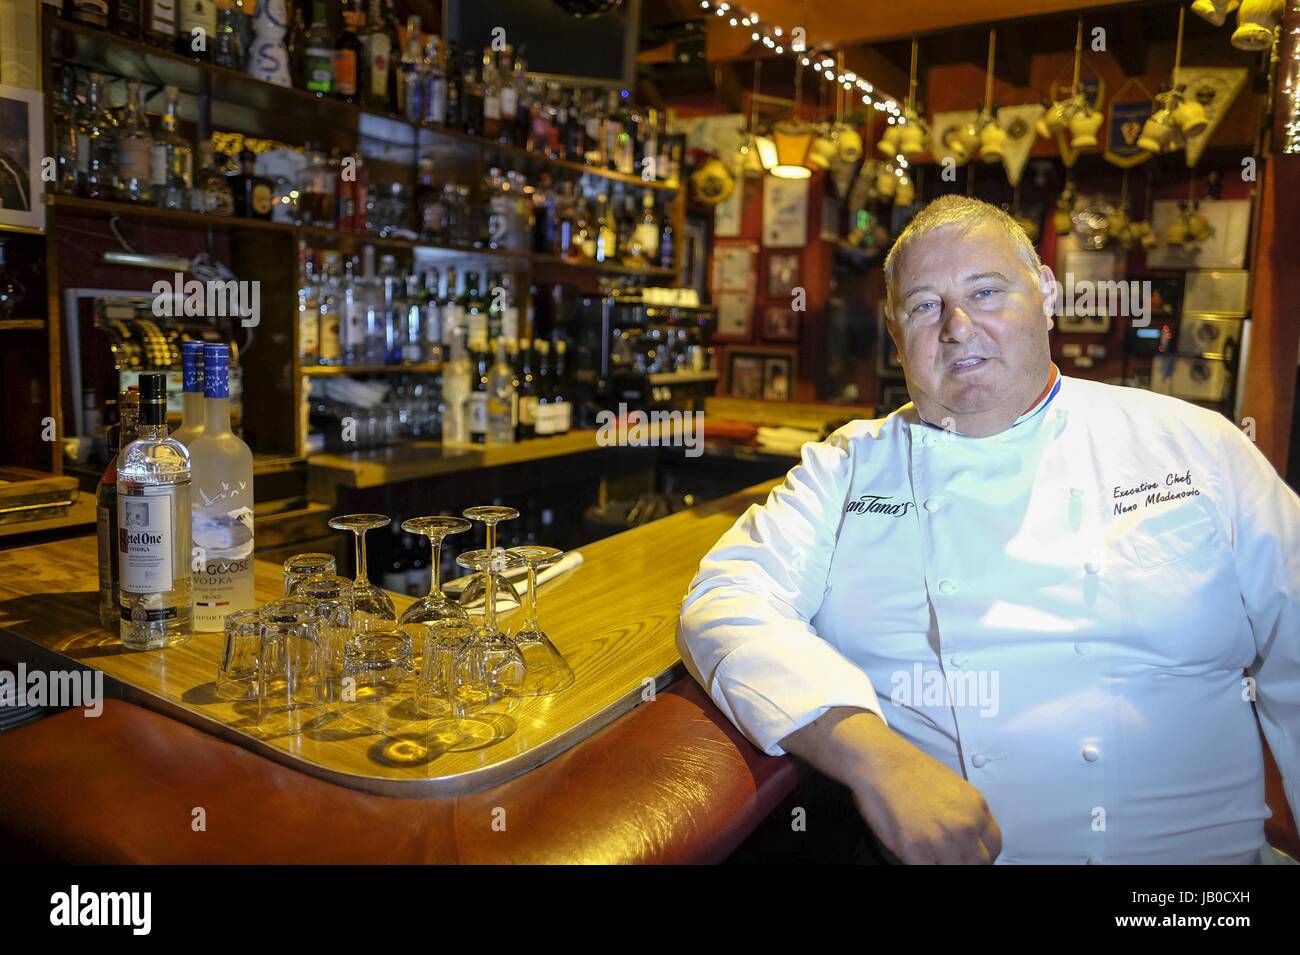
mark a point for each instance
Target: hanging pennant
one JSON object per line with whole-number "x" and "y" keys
{"x": 1129, "y": 111}
{"x": 1018, "y": 123}
{"x": 1215, "y": 88}
{"x": 949, "y": 136}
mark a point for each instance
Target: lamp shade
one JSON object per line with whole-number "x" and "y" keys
{"x": 766, "y": 151}
{"x": 793, "y": 143}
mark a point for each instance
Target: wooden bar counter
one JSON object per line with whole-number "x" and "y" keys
{"x": 613, "y": 617}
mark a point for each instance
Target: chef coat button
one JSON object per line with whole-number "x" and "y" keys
{"x": 933, "y": 503}
{"x": 1092, "y": 565}
{"x": 978, "y": 760}
{"x": 1082, "y": 648}
{"x": 1091, "y": 753}
{"x": 947, "y": 587}
{"x": 957, "y": 662}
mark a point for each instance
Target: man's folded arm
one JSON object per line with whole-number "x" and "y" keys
{"x": 745, "y": 631}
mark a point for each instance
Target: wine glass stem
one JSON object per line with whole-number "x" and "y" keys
{"x": 491, "y": 535}
{"x": 362, "y": 579}
{"x": 490, "y": 601}
{"x": 532, "y": 623}
{"x": 435, "y": 568}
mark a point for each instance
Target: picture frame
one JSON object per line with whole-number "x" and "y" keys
{"x": 1098, "y": 324}
{"x": 780, "y": 324}
{"x": 693, "y": 257}
{"x": 22, "y": 149}
{"x": 783, "y": 269}
{"x": 761, "y": 373}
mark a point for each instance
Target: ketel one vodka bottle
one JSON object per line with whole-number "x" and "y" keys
{"x": 153, "y": 529}
{"x": 223, "y": 504}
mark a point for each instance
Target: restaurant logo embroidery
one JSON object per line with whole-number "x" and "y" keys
{"x": 876, "y": 504}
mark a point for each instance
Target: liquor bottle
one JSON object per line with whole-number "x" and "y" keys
{"x": 433, "y": 318}
{"x": 192, "y": 410}
{"x": 478, "y": 398}
{"x": 331, "y": 346}
{"x": 223, "y": 506}
{"x": 508, "y": 102}
{"x": 543, "y": 419}
{"x": 379, "y": 44}
{"x": 565, "y": 229}
{"x": 561, "y": 405}
{"x": 648, "y": 158}
{"x": 347, "y": 55}
{"x": 93, "y": 13}
{"x": 295, "y": 42}
{"x": 309, "y": 310}
{"x": 128, "y": 19}
{"x": 554, "y": 121}
{"x": 527, "y": 393}
{"x": 393, "y": 578}
{"x": 456, "y": 391}
{"x": 64, "y": 115}
{"x": 211, "y": 192}
{"x": 475, "y": 313}
{"x": 119, "y": 435}
{"x": 350, "y": 301}
{"x": 197, "y": 28}
{"x": 390, "y": 312}
{"x": 414, "y": 336}
{"x": 411, "y": 83}
{"x": 455, "y": 87}
{"x": 453, "y": 312}
{"x": 502, "y": 399}
{"x": 171, "y": 161}
{"x": 153, "y": 538}
{"x": 584, "y": 232}
{"x": 574, "y": 132}
{"x": 523, "y": 107}
{"x": 160, "y": 23}
{"x": 509, "y": 312}
{"x": 434, "y": 82}
{"x": 268, "y": 55}
{"x": 318, "y": 57}
{"x": 96, "y": 145}
{"x": 471, "y": 97}
{"x": 496, "y": 294}
{"x": 645, "y": 238}
{"x": 606, "y": 236}
{"x": 491, "y": 98}
{"x": 666, "y": 250}
{"x": 134, "y": 145}
{"x": 228, "y": 49}
{"x": 252, "y": 193}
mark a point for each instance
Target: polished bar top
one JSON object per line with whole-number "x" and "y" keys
{"x": 614, "y": 618}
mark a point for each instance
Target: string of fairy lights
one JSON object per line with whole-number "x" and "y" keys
{"x": 781, "y": 42}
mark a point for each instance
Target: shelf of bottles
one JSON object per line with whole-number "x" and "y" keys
{"x": 378, "y": 69}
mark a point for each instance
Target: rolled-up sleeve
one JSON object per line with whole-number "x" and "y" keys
{"x": 745, "y": 628}
{"x": 1266, "y": 548}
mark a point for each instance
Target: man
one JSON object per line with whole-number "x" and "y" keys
{"x": 1013, "y": 616}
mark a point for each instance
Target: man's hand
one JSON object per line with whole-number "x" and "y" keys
{"x": 919, "y": 809}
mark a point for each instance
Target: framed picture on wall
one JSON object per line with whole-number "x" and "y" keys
{"x": 780, "y": 324}
{"x": 782, "y": 274}
{"x": 693, "y": 257}
{"x": 22, "y": 147}
{"x": 766, "y": 373}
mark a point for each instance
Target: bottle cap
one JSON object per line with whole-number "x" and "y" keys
{"x": 153, "y": 398}
{"x": 216, "y": 362}
{"x": 192, "y": 366}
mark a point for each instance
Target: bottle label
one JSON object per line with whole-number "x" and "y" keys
{"x": 478, "y": 412}
{"x": 133, "y": 159}
{"x": 329, "y": 336}
{"x": 201, "y": 14}
{"x": 262, "y": 199}
{"x": 309, "y": 332}
{"x": 379, "y": 49}
{"x": 345, "y": 72}
{"x": 647, "y": 236}
{"x": 145, "y": 539}
{"x": 491, "y": 106}
{"x": 162, "y": 16}
{"x": 158, "y": 164}
{"x": 510, "y": 323}
{"x": 478, "y": 326}
{"x": 83, "y": 152}
{"x": 509, "y": 102}
{"x": 437, "y": 99}
{"x": 544, "y": 418}
{"x": 222, "y": 524}
{"x": 319, "y": 69}
{"x": 528, "y": 410}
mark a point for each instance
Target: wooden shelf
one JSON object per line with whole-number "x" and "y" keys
{"x": 99, "y": 50}
{"x": 107, "y": 208}
{"x": 327, "y": 371}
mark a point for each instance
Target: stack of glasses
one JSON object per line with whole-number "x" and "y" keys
{"x": 331, "y": 641}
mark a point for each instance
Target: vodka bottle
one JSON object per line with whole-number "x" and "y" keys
{"x": 223, "y": 504}
{"x": 455, "y": 391}
{"x": 502, "y": 399}
{"x": 192, "y": 411}
{"x": 171, "y": 162}
{"x": 119, "y": 435}
{"x": 153, "y": 538}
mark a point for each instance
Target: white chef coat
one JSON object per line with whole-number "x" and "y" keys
{"x": 1108, "y": 566}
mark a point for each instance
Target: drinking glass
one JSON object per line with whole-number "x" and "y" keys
{"x": 491, "y": 515}
{"x": 493, "y": 659}
{"x": 290, "y": 667}
{"x": 435, "y": 606}
{"x": 330, "y": 602}
{"x": 301, "y": 566}
{"x": 372, "y": 609}
{"x": 237, "y": 671}
{"x": 378, "y": 666}
{"x": 546, "y": 670}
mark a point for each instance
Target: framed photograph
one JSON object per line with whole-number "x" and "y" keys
{"x": 766, "y": 373}
{"x": 22, "y": 147}
{"x": 735, "y": 315}
{"x": 888, "y": 364}
{"x": 694, "y": 256}
{"x": 782, "y": 274}
{"x": 785, "y": 213}
{"x": 780, "y": 324}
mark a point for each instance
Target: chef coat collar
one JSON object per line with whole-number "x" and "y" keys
{"x": 1042, "y": 401}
